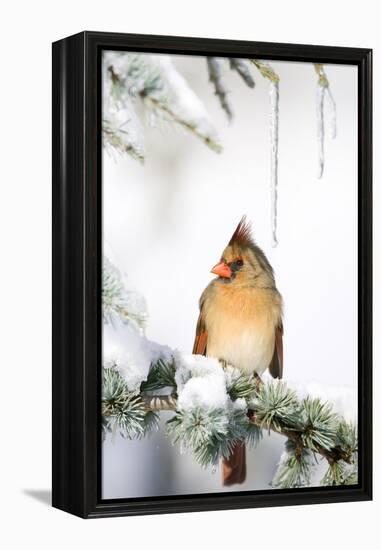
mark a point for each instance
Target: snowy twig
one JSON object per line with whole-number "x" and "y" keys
{"x": 128, "y": 305}
{"x": 128, "y": 78}
{"x": 207, "y": 139}
{"x": 215, "y": 76}
{"x": 121, "y": 127}
{"x": 242, "y": 68}
{"x": 169, "y": 402}
{"x": 216, "y": 405}
{"x": 215, "y": 71}
{"x": 117, "y": 138}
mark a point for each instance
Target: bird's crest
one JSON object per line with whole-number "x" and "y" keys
{"x": 242, "y": 235}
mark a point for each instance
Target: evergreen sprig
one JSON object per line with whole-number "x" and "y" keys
{"x": 116, "y": 300}
{"x": 164, "y": 94}
{"x": 124, "y": 410}
{"x": 117, "y": 137}
{"x": 336, "y": 474}
{"x": 161, "y": 375}
{"x": 210, "y": 434}
{"x": 346, "y": 437}
{"x": 320, "y": 424}
{"x": 310, "y": 425}
{"x": 275, "y": 406}
{"x": 295, "y": 467}
{"x": 240, "y": 384}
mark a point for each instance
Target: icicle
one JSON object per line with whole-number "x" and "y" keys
{"x": 274, "y": 138}
{"x": 268, "y": 72}
{"x": 333, "y": 113}
{"x": 322, "y": 88}
{"x": 320, "y": 127}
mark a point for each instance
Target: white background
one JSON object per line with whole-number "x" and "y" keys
{"x": 27, "y": 30}
{"x": 167, "y": 222}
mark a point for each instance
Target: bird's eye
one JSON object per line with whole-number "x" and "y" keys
{"x": 236, "y": 265}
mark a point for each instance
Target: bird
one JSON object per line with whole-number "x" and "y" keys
{"x": 241, "y": 322}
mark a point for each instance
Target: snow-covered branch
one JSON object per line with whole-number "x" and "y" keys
{"x": 215, "y": 406}
{"x": 295, "y": 436}
{"x": 241, "y": 66}
{"x": 215, "y": 77}
{"x": 162, "y": 92}
{"x": 128, "y": 305}
{"x": 121, "y": 128}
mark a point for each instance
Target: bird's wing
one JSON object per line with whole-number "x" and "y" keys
{"x": 201, "y": 338}
{"x": 276, "y": 365}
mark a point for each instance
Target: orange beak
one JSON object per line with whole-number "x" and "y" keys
{"x": 222, "y": 270}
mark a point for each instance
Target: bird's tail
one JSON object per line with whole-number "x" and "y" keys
{"x": 234, "y": 467}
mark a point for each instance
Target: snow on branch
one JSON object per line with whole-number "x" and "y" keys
{"x": 216, "y": 405}
{"x": 128, "y": 305}
{"x": 241, "y": 66}
{"x": 215, "y": 77}
{"x": 121, "y": 128}
{"x": 295, "y": 467}
{"x": 163, "y": 92}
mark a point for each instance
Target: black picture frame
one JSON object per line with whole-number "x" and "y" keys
{"x": 77, "y": 267}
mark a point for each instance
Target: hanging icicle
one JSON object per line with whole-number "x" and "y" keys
{"x": 320, "y": 92}
{"x": 333, "y": 113}
{"x": 267, "y": 72}
{"x": 323, "y": 89}
{"x": 274, "y": 138}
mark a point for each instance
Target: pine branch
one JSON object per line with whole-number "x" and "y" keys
{"x": 215, "y": 77}
{"x": 161, "y": 375}
{"x": 117, "y": 137}
{"x": 123, "y": 410}
{"x": 192, "y": 127}
{"x": 165, "y": 402}
{"x": 121, "y": 128}
{"x": 242, "y": 68}
{"x": 128, "y": 305}
{"x": 216, "y": 406}
{"x": 295, "y": 467}
{"x": 162, "y": 90}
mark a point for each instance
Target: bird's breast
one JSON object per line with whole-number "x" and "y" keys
{"x": 241, "y": 326}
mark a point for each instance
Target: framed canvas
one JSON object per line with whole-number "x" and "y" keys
{"x": 211, "y": 274}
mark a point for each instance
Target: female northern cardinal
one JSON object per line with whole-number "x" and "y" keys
{"x": 240, "y": 321}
